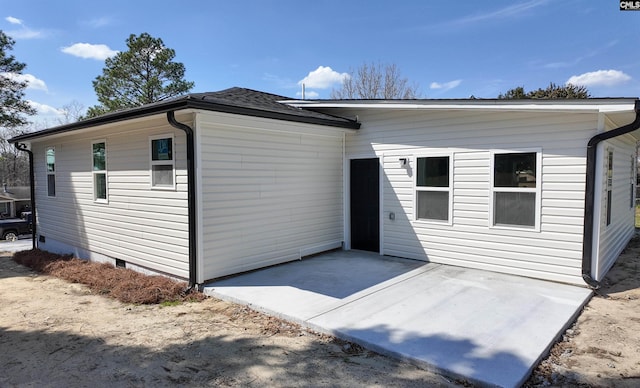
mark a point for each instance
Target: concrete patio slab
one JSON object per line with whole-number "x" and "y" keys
{"x": 489, "y": 328}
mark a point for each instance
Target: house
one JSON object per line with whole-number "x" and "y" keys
{"x": 14, "y": 200}
{"x": 212, "y": 184}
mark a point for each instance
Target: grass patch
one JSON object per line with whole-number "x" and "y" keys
{"x": 125, "y": 285}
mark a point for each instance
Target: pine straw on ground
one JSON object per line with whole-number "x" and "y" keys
{"x": 125, "y": 285}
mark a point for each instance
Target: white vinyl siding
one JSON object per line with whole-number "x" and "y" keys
{"x": 553, "y": 252}
{"x": 271, "y": 191}
{"x": 145, "y": 227}
{"x": 615, "y": 233}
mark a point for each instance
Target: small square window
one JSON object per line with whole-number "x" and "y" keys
{"x": 433, "y": 172}
{"x": 162, "y": 149}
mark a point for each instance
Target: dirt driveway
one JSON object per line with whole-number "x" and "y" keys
{"x": 53, "y": 333}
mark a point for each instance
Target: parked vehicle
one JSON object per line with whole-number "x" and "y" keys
{"x": 12, "y": 228}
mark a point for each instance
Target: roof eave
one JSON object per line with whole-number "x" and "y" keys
{"x": 181, "y": 104}
{"x": 586, "y": 105}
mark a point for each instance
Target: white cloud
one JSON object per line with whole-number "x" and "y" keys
{"x": 13, "y": 20}
{"x": 510, "y": 12}
{"x": 31, "y": 80}
{"x": 24, "y": 32}
{"x": 600, "y": 78}
{"x": 323, "y": 78}
{"x": 445, "y": 86}
{"x": 90, "y": 51}
{"x": 44, "y": 109}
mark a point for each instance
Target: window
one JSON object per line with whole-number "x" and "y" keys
{"x": 50, "y": 157}
{"x": 609, "y": 184}
{"x": 433, "y": 189}
{"x": 515, "y": 189}
{"x": 99, "y": 153}
{"x": 162, "y": 162}
{"x": 632, "y": 178}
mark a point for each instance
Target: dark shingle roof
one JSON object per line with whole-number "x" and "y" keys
{"x": 267, "y": 102}
{"x": 240, "y": 101}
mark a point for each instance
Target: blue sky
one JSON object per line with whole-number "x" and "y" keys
{"x": 450, "y": 49}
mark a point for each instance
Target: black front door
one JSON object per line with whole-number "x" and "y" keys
{"x": 365, "y": 204}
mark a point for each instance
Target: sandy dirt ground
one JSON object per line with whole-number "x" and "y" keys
{"x": 54, "y": 333}
{"x": 58, "y": 334}
{"x": 602, "y": 349}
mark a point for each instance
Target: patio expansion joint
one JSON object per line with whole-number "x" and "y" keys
{"x": 392, "y": 283}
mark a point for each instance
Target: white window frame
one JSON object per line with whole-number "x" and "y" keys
{"x": 171, "y": 162}
{"x": 537, "y": 190}
{"x": 610, "y": 163}
{"x": 50, "y": 173}
{"x": 417, "y": 188}
{"x": 632, "y": 200}
{"x": 96, "y": 172}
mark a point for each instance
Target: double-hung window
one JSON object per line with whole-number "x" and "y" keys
{"x": 50, "y": 157}
{"x": 99, "y": 152}
{"x": 433, "y": 188}
{"x": 516, "y": 189}
{"x": 162, "y": 162}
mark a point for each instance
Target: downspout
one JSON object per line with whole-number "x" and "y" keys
{"x": 587, "y": 236}
{"x": 32, "y": 190}
{"x": 191, "y": 197}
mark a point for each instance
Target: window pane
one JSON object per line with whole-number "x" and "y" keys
{"x": 51, "y": 185}
{"x": 433, "y": 205}
{"x": 162, "y": 175}
{"x": 515, "y": 209}
{"x": 162, "y": 149}
{"x": 51, "y": 159}
{"x": 100, "y": 186}
{"x": 515, "y": 170}
{"x": 433, "y": 172}
{"x": 99, "y": 163}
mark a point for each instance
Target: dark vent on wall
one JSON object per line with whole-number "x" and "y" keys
{"x": 42, "y": 239}
{"x": 121, "y": 263}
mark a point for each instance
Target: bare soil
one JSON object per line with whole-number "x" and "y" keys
{"x": 57, "y": 333}
{"x": 602, "y": 348}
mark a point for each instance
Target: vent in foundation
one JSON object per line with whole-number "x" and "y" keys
{"x": 42, "y": 239}
{"x": 121, "y": 263}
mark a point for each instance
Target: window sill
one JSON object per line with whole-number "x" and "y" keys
{"x": 516, "y": 227}
{"x": 432, "y": 222}
{"x": 163, "y": 188}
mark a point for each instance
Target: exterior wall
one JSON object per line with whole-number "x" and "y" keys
{"x": 147, "y": 228}
{"x": 270, "y": 191}
{"x": 613, "y": 238}
{"x": 553, "y": 251}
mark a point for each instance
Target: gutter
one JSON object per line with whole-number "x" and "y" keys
{"x": 191, "y": 197}
{"x": 589, "y": 205}
{"x": 32, "y": 189}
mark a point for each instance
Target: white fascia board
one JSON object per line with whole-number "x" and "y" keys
{"x": 625, "y": 105}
